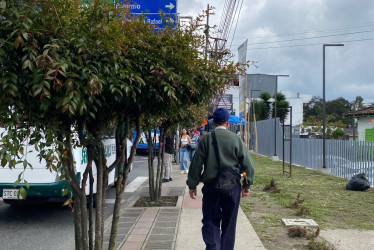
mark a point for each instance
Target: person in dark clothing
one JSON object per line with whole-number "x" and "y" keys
{"x": 168, "y": 155}
{"x": 220, "y": 210}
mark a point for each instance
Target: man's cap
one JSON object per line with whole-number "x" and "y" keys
{"x": 221, "y": 115}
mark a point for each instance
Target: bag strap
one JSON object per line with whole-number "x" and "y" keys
{"x": 216, "y": 148}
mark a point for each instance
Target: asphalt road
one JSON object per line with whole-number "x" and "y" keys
{"x": 49, "y": 226}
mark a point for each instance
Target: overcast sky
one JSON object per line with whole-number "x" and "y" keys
{"x": 269, "y": 23}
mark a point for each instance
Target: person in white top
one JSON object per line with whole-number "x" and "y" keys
{"x": 184, "y": 140}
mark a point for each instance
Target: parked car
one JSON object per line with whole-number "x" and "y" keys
{"x": 343, "y": 167}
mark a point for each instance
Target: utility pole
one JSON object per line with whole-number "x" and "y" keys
{"x": 324, "y": 103}
{"x": 207, "y": 33}
{"x": 245, "y": 111}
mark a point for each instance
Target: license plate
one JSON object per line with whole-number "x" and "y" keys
{"x": 11, "y": 194}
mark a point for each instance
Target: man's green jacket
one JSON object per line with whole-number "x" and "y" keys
{"x": 232, "y": 152}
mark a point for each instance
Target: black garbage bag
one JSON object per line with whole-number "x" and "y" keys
{"x": 358, "y": 182}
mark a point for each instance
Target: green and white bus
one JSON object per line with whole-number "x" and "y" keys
{"x": 45, "y": 185}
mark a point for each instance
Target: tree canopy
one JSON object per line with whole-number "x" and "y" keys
{"x": 71, "y": 71}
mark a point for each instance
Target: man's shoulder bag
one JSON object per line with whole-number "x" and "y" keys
{"x": 227, "y": 178}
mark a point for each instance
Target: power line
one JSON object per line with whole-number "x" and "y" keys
{"x": 229, "y": 31}
{"x": 228, "y": 20}
{"x": 306, "y": 38}
{"x": 356, "y": 26}
{"x": 237, "y": 20}
{"x": 224, "y": 13}
{"x": 310, "y": 44}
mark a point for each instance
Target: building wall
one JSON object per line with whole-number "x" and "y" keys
{"x": 364, "y": 123}
{"x": 297, "y": 111}
{"x": 234, "y": 91}
{"x": 297, "y": 104}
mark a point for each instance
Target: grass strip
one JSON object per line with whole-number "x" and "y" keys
{"x": 325, "y": 197}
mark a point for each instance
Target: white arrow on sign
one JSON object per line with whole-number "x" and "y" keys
{"x": 170, "y": 6}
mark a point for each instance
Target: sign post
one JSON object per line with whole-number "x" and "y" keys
{"x": 242, "y": 54}
{"x": 152, "y": 9}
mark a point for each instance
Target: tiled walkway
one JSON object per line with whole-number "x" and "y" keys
{"x": 148, "y": 228}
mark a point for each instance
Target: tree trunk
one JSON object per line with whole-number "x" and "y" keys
{"x": 105, "y": 185}
{"x": 116, "y": 210}
{"x": 90, "y": 213}
{"x": 99, "y": 199}
{"x": 68, "y": 164}
{"x": 121, "y": 142}
{"x": 151, "y": 178}
{"x": 160, "y": 163}
{"x": 84, "y": 216}
{"x": 77, "y": 223}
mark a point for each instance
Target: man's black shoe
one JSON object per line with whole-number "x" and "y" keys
{"x": 170, "y": 179}
{"x": 165, "y": 180}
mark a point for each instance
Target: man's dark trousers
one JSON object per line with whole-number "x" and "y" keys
{"x": 217, "y": 207}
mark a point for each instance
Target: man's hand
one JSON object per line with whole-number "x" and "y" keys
{"x": 193, "y": 193}
{"x": 245, "y": 192}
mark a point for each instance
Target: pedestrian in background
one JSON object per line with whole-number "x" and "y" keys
{"x": 168, "y": 155}
{"x": 196, "y": 131}
{"x": 220, "y": 208}
{"x": 195, "y": 138}
{"x": 184, "y": 140}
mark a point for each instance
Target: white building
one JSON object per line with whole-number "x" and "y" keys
{"x": 297, "y": 104}
{"x": 365, "y": 123}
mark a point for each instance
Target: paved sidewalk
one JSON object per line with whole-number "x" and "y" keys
{"x": 177, "y": 228}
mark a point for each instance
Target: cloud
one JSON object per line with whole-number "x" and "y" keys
{"x": 286, "y": 24}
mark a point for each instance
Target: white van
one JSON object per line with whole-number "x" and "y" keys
{"x": 45, "y": 185}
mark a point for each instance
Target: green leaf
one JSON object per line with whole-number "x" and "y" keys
{"x": 25, "y": 35}
{"x": 37, "y": 92}
{"x": 2, "y": 5}
{"x": 22, "y": 193}
{"x": 24, "y": 164}
{"x": 18, "y": 42}
{"x": 27, "y": 184}
{"x": 3, "y": 162}
{"x": 67, "y": 202}
{"x": 16, "y": 183}
{"x": 65, "y": 192}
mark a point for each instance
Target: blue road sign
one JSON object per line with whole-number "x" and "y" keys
{"x": 151, "y": 10}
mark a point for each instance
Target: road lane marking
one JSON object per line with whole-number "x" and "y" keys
{"x": 110, "y": 201}
{"x": 131, "y": 187}
{"x": 137, "y": 182}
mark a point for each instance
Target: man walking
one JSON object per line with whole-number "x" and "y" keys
{"x": 168, "y": 155}
{"x": 220, "y": 209}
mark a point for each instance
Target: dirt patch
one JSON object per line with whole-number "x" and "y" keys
{"x": 266, "y": 216}
{"x": 165, "y": 201}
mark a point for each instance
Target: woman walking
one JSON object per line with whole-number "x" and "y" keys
{"x": 184, "y": 140}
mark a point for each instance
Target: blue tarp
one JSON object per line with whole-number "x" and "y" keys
{"x": 233, "y": 120}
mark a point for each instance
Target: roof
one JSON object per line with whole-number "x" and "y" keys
{"x": 361, "y": 112}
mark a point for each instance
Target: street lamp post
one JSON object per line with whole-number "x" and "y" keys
{"x": 275, "y": 114}
{"x": 324, "y": 105}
